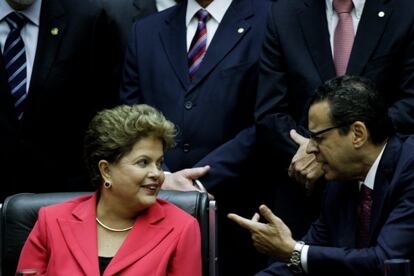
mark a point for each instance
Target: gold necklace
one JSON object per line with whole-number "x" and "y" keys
{"x": 113, "y": 229}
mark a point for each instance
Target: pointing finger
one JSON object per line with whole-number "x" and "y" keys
{"x": 243, "y": 222}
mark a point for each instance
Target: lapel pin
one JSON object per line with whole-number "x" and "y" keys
{"x": 240, "y": 30}
{"x": 54, "y": 31}
{"x": 381, "y": 14}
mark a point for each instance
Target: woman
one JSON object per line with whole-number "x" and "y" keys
{"x": 122, "y": 229}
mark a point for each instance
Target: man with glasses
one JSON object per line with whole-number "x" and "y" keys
{"x": 308, "y": 42}
{"x": 368, "y": 207}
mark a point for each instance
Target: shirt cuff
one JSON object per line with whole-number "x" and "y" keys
{"x": 304, "y": 258}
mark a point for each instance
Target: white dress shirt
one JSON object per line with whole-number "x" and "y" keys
{"x": 163, "y": 4}
{"x": 369, "y": 182}
{"x": 332, "y": 17}
{"x": 29, "y": 32}
{"x": 216, "y": 9}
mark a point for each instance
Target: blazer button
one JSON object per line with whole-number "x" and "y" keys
{"x": 186, "y": 147}
{"x": 188, "y": 105}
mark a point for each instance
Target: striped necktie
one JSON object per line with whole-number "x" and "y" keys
{"x": 198, "y": 44}
{"x": 15, "y": 62}
{"x": 344, "y": 35}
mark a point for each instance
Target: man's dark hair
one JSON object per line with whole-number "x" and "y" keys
{"x": 353, "y": 98}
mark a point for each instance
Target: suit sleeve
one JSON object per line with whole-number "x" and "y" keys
{"x": 227, "y": 160}
{"x": 187, "y": 257}
{"x": 130, "y": 90}
{"x": 276, "y": 269}
{"x": 395, "y": 240}
{"x": 35, "y": 253}
{"x": 272, "y": 114}
{"x": 402, "y": 111}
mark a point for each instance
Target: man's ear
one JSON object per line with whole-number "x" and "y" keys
{"x": 359, "y": 134}
{"x": 104, "y": 170}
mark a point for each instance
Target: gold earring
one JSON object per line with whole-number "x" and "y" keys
{"x": 107, "y": 185}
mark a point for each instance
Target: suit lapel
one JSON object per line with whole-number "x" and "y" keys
{"x": 51, "y": 29}
{"x": 80, "y": 235}
{"x": 315, "y": 30}
{"x": 144, "y": 237}
{"x": 174, "y": 41}
{"x": 234, "y": 26}
{"x": 143, "y": 8}
{"x": 370, "y": 29}
{"x": 383, "y": 178}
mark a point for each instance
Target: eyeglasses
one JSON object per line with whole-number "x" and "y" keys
{"x": 315, "y": 135}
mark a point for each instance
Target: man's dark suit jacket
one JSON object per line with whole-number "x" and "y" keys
{"x": 214, "y": 113}
{"x": 297, "y": 58}
{"x": 69, "y": 84}
{"x": 332, "y": 237}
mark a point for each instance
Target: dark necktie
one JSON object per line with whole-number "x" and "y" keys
{"x": 198, "y": 44}
{"x": 15, "y": 62}
{"x": 344, "y": 35}
{"x": 364, "y": 216}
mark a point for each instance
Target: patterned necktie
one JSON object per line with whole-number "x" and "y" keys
{"x": 15, "y": 61}
{"x": 364, "y": 216}
{"x": 198, "y": 44}
{"x": 344, "y": 35}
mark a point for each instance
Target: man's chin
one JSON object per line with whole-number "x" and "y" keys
{"x": 330, "y": 176}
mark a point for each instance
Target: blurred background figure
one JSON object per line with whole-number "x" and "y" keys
{"x": 122, "y": 229}
{"x": 55, "y": 73}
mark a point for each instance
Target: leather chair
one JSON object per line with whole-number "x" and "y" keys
{"x": 18, "y": 215}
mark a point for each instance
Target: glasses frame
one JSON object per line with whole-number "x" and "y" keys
{"x": 315, "y": 135}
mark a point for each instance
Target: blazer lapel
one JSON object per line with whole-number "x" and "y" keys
{"x": 51, "y": 29}
{"x": 80, "y": 235}
{"x": 143, "y": 237}
{"x": 174, "y": 41}
{"x": 370, "y": 29}
{"x": 383, "y": 178}
{"x": 234, "y": 26}
{"x": 315, "y": 30}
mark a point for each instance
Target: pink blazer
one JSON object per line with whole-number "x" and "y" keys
{"x": 163, "y": 241}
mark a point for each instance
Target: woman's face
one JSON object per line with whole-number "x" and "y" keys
{"x": 137, "y": 177}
